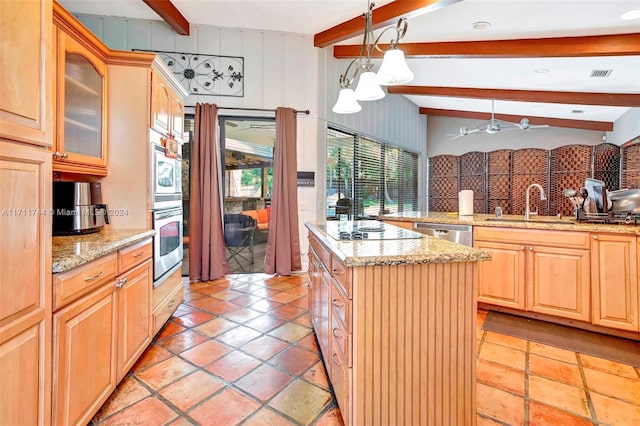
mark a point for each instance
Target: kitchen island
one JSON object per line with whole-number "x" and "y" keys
{"x": 396, "y": 322}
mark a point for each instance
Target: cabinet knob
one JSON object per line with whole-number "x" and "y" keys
{"x": 530, "y": 248}
{"x": 521, "y": 248}
{"x": 65, "y": 155}
{"x": 336, "y": 360}
{"x": 121, "y": 282}
{"x": 337, "y": 333}
{"x": 338, "y": 303}
{"x": 595, "y": 237}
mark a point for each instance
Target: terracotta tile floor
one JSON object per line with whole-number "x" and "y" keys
{"x": 240, "y": 350}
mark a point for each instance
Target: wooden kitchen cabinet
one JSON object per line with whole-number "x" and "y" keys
{"x": 167, "y": 296}
{"x": 535, "y": 270}
{"x": 26, "y": 86}
{"x": 397, "y": 350}
{"x": 614, "y": 281}
{"x": 25, "y": 284}
{"x": 81, "y": 123}
{"x": 167, "y": 108}
{"x": 400, "y": 224}
{"x": 501, "y": 281}
{"x": 84, "y": 357}
{"x": 134, "y": 315}
{"x": 102, "y": 326}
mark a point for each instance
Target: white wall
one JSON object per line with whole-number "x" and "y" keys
{"x": 625, "y": 128}
{"x": 440, "y": 140}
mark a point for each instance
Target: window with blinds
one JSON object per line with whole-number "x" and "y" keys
{"x": 366, "y": 178}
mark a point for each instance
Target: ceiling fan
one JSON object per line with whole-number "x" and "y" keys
{"x": 494, "y": 125}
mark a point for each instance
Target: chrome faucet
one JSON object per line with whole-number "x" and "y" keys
{"x": 527, "y": 213}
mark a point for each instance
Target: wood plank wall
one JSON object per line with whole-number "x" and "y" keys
{"x": 414, "y": 345}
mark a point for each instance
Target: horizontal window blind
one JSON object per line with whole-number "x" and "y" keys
{"x": 367, "y": 178}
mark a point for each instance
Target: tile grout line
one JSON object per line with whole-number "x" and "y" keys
{"x": 585, "y": 387}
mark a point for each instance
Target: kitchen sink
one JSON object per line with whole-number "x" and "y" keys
{"x": 548, "y": 221}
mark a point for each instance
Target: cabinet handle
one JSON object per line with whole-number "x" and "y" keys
{"x": 139, "y": 254}
{"x": 170, "y": 304}
{"x": 338, "y": 303}
{"x": 58, "y": 154}
{"x": 318, "y": 264}
{"x": 94, "y": 277}
{"x": 337, "y": 333}
{"x": 121, "y": 283}
{"x": 338, "y": 271}
{"x": 65, "y": 155}
{"x": 521, "y": 248}
{"x": 336, "y": 361}
{"x": 530, "y": 248}
{"x": 595, "y": 237}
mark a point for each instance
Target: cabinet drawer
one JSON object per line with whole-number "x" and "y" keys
{"x": 341, "y": 384}
{"x": 134, "y": 255}
{"x": 69, "y": 286}
{"x": 320, "y": 250}
{"x": 533, "y": 237}
{"x": 167, "y": 286}
{"x": 166, "y": 308}
{"x": 340, "y": 340}
{"x": 342, "y": 275}
{"x": 341, "y": 305}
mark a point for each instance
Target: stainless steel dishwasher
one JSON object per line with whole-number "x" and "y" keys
{"x": 461, "y": 234}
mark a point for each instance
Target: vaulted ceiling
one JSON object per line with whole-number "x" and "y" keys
{"x": 574, "y": 61}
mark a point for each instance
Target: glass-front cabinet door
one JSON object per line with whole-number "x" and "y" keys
{"x": 81, "y": 132}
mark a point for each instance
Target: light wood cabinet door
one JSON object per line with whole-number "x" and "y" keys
{"x": 27, "y": 71}
{"x": 134, "y": 315}
{"x": 558, "y": 282}
{"x": 177, "y": 118}
{"x": 21, "y": 359}
{"x": 81, "y": 132}
{"x": 161, "y": 104}
{"x": 614, "y": 281}
{"x": 84, "y": 373}
{"x": 25, "y": 284}
{"x": 320, "y": 300}
{"x": 400, "y": 224}
{"x": 501, "y": 281}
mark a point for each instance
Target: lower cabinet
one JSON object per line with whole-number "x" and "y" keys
{"x": 167, "y": 296}
{"x": 614, "y": 272}
{"x": 134, "y": 315}
{"x": 99, "y": 331}
{"x": 538, "y": 271}
{"x": 84, "y": 356}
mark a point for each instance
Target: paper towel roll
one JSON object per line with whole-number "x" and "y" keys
{"x": 465, "y": 202}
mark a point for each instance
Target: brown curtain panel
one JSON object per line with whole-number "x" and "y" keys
{"x": 283, "y": 244}
{"x": 207, "y": 256}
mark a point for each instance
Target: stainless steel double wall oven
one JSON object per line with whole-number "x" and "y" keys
{"x": 166, "y": 184}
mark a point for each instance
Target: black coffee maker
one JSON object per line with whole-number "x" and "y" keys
{"x": 78, "y": 208}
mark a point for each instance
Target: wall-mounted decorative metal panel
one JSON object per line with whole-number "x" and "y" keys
{"x": 207, "y": 74}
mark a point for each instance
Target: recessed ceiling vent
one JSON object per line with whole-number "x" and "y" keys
{"x": 600, "y": 73}
{"x": 577, "y": 111}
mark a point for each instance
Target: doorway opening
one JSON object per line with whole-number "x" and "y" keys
{"x": 247, "y": 145}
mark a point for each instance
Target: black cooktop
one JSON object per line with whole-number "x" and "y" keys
{"x": 368, "y": 230}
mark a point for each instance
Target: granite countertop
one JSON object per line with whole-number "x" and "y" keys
{"x": 74, "y": 250}
{"x": 513, "y": 221}
{"x": 397, "y": 251}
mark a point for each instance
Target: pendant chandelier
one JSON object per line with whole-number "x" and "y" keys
{"x": 393, "y": 70}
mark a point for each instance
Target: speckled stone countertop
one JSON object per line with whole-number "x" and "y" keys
{"x": 424, "y": 249}
{"x": 513, "y": 221}
{"x": 74, "y": 250}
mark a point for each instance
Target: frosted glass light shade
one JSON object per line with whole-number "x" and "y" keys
{"x": 394, "y": 69}
{"x": 368, "y": 89}
{"x": 346, "y": 103}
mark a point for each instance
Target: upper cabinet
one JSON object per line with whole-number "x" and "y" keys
{"x": 167, "y": 105}
{"x": 80, "y": 144}
{"x": 27, "y": 76}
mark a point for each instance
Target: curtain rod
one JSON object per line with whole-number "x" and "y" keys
{"x": 306, "y": 111}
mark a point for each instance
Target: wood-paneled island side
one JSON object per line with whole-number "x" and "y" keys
{"x": 395, "y": 321}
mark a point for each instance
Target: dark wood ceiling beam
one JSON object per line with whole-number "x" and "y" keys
{"x": 170, "y": 14}
{"x": 605, "y": 126}
{"x": 573, "y": 98}
{"x": 556, "y": 47}
{"x": 382, "y": 16}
